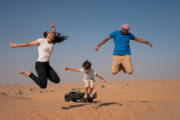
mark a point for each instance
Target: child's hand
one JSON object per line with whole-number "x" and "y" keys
{"x": 66, "y": 69}
{"x": 105, "y": 80}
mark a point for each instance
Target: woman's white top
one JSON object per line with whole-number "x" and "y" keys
{"x": 44, "y": 49}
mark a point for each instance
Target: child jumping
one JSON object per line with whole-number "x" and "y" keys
{"x": 88, "y": 77}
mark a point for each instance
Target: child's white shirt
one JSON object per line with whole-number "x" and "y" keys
{"x": 90, "y": 75}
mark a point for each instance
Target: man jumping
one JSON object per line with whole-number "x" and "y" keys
{"x": 122, "y": 52}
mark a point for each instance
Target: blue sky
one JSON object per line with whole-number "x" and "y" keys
{"x": 87, "y": 23}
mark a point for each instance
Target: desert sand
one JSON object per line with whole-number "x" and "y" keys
{"x": 117, "y": 100}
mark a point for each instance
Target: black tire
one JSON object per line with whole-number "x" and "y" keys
{"x": 74, "y": 100}
{"x": 82, "y": 99}
{"x": 95, "y": 95}
{"x": 90, "y": 99}
{"x": 67, "y": 99}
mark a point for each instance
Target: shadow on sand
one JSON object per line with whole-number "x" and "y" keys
{"x": 79, "y": 105}
{"x": 72, "y": 106}
{"x": 144, "y": 101}
{"x": 98, "y": 103}
{"x": 109, "y": 103}
{"x": 95, "y": 102}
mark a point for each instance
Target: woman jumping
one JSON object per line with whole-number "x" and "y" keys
{"x": 45, "y": 48}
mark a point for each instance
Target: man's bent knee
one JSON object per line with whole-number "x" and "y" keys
{"x": 114, "y": 72}
{"x": 129, "y": 72}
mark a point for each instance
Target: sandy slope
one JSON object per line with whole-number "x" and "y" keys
{"x": 119, "y": 100}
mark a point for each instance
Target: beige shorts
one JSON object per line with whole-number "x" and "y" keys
{"x": 122, "y": 62}
{"x": 89, "y": 83}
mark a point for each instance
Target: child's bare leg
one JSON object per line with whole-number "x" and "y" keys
{"x": 91, "y": 90}
{"x": 86, "y": 91}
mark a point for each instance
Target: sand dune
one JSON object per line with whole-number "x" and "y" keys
{"x": 117, "y": 100}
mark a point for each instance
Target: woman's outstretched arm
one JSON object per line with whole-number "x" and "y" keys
{"x": 14, "y": 45}
{"x": 72, "y": 69}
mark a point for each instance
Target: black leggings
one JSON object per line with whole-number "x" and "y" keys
{"x": 44, "y": 71}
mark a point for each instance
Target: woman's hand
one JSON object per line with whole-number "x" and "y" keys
{"x": 12, "y": 44}
{"x": 149, "y": 43}
{"x": 54, "y": 28}
{"x": 50, "y": 24}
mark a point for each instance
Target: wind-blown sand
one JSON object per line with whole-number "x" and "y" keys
{"x": 118, "y": 100}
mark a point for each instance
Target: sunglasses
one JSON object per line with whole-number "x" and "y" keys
{"x": 125, "y": 30}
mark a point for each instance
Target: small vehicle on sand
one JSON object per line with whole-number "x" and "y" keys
{"x": 75, "y": 95}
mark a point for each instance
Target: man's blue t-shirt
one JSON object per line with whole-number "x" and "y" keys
{"x": 121, "y": 42}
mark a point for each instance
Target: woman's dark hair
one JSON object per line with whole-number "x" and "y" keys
{"x": 86, "y": 65}
{"x": 58, "y": 38}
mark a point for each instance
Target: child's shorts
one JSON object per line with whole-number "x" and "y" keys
{"x": 89, "y": 83}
